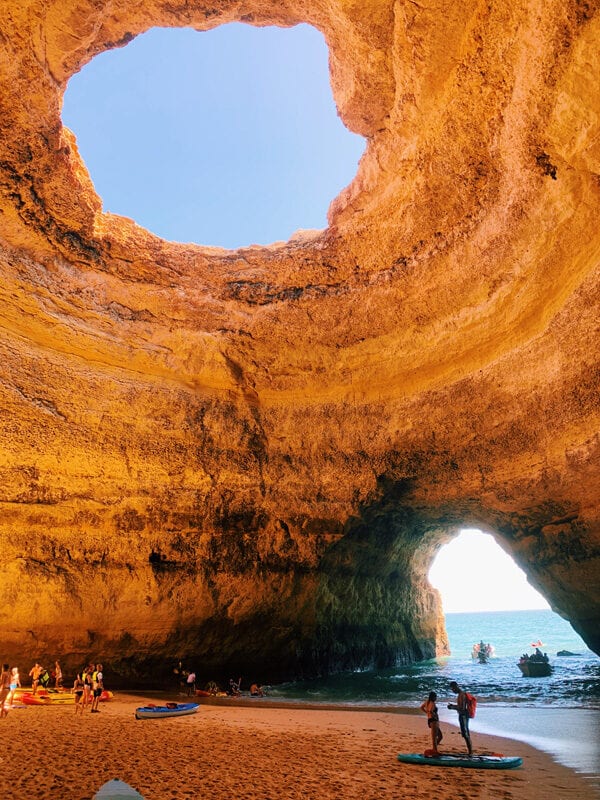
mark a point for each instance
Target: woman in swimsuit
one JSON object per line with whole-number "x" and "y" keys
{"x": 78, "y": 689}
{"x": 15, "y": 683}
{"x": 433, "y": 720}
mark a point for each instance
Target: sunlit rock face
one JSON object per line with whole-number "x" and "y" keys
{"x": 248, "y": 459}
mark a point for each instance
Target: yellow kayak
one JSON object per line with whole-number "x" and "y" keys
{"x": 55, "y": 697}
{"x": 47, "y": 698}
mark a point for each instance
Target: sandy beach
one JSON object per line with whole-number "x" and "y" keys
{"x": 255, "y": 752}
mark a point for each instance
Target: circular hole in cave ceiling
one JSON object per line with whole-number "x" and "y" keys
{"x": 228, "y": 137}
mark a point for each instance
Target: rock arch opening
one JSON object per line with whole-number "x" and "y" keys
{"x": 473, "y": 573}
{"x": 227, "y": 137}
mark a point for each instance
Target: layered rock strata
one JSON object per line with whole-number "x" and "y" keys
{"x": 250, "y": 458}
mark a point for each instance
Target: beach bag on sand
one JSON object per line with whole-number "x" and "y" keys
{"x": 470, "y": 705}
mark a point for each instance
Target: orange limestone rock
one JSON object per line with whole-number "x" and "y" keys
{"x": 250, "y": 458}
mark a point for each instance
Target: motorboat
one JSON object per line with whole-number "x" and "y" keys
{"x": 482, "y": 652}
{"x": 535, "y": 669}
{"x": 536, "y": 665}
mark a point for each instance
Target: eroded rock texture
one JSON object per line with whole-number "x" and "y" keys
{"x": 250, "y": 458}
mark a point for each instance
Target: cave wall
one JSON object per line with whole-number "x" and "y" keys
{"x": 249, "y": 457}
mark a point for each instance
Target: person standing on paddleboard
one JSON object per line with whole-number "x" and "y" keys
{"x": 463, "y": 714}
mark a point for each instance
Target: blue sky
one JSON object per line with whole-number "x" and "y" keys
{"x": 226, "y": 137}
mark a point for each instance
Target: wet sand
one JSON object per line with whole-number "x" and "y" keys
{"x": 256, "y": 751}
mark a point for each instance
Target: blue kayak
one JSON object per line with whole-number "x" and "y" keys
{"x": 169, "y": 710}
{"x": 117, "y": 790}
{"x": 473, "y": 762}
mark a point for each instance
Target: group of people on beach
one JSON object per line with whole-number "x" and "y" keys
{"x": 10, "y": 681}
{"x": 41, "y": 677}
{"x": 88, "y": 687}
{"x": 187, "y": 682}
{"x": 235, "y": 689}
{"x": 430, "y": 708}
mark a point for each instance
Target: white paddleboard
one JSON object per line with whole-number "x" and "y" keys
{"x": 117, "y": 790}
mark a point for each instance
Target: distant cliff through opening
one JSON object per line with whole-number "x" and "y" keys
{"x": 228, "y": 137}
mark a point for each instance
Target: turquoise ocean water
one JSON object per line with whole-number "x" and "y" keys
{"x": 559, "y": 714}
